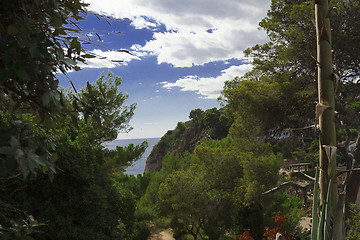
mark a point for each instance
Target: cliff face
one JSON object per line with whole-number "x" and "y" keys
{"x": 185, "y": 138}
{"x": 211, "y": 124}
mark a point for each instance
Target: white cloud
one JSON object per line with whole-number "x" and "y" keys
{"x": 187, "y": 41}
{"x": 108, "y": 59}
{"x": 209, "y": 88}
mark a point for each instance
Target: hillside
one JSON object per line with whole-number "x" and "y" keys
{"x": 203, "y": 125}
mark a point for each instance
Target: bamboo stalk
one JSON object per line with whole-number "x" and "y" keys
{"x": 326, "y": 97}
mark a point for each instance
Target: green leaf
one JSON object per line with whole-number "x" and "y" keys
{"x": 51, "y": 176}
{"x": 69, "y": 62}
{"x": 19, "y": 154}
{"x": 14, "y": 143}
{"x": 54, "y": 157}
{"x": 34, "y": 52}
{"x": 4, "y": 75}
{"x": 23, "y": 168}
{"x": 60, "y": 53}
{"x": 21, "y": 72}
{"x": 5, "y": 135}
{"x": 315, "y": 216}
{"x": 6, "y": 150}
{"x": 75, "y": 44}
{"x": 35, "y": 158}
{"x": 89, "y": 87}
{"x": 45, "y": 99}
{"x": 301, "y": 235}
{"x": 327, "y": 220}
{"x": 32, "y": 164}
{"x": 49, "y": 123}
{"x": 88, "y": 56}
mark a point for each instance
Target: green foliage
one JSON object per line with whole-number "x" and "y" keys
{"x": 260, "y": 174}
{"x": 192, "y": 202}
{"x": 38, "y": 40}
{"x": 33, "y": 44}
{"x": 280, "y": 90}
{"x": 250, "y": 217}
{"x": 81, "y": 200}
{"x": 136, "y": 184}
{"x": 196, "y": 115}
{"x": 212, "y": 123}
{"x": 148, "y": 204}
{"x": 272, "y": 103}
{"x": 353, "y": 223}
{"x": 23, "y": 148}
{"x": 179, "y": 161}
{"x": 312, "y": 152}
{"x": 217, "y": 121}
{"x": 120, "y": 158}
{"x": 168, "y": 139}
{"x": 290, "y": 206}
{"x": 103, "y": 106}
{"x": 204, "y": 192}
{"x": 211, "y": 117}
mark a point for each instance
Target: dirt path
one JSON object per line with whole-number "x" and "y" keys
{"x": 162, "y": 235}
{"x": 305, "y": 223}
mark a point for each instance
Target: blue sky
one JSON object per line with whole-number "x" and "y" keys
{"x": 182, "y": 52}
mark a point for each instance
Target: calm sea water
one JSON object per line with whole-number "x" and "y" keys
{"x": 139, "y": 166}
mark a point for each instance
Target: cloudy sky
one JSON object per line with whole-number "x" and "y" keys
{"x": 182, "y": 52}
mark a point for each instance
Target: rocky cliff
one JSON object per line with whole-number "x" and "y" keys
{"x": 186, "y": 141}
{"x": 211, "y": 124}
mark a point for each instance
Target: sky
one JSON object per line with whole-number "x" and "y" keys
{"x": 182, "y": 52}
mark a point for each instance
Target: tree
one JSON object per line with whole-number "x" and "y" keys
{"x": 103, "y": 106}
{"x": 273, "y": 103}
{"x": 81, "y": 200}
{"x": 184, "y": 195}
{"x": 36, "y": 43}
{"x": 196, "y": 114}
{"x": 205, "y": 194}
{"x": 40, "y": 124}
{"x": 278, "y": 94}
{"x": 287, "y": 65}
{"x": 290, "y": 26}
{"x": 123, "y": 157}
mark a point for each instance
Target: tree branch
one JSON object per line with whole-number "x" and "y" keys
{"x": 286, "y": 184}
{"x": 307, "y": 176}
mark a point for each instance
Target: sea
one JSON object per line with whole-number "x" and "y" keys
{"x": 139, "y": 166}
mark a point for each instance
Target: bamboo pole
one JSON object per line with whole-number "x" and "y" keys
{"x": 333, "y": 217}
{"x": 326, "y": 104}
